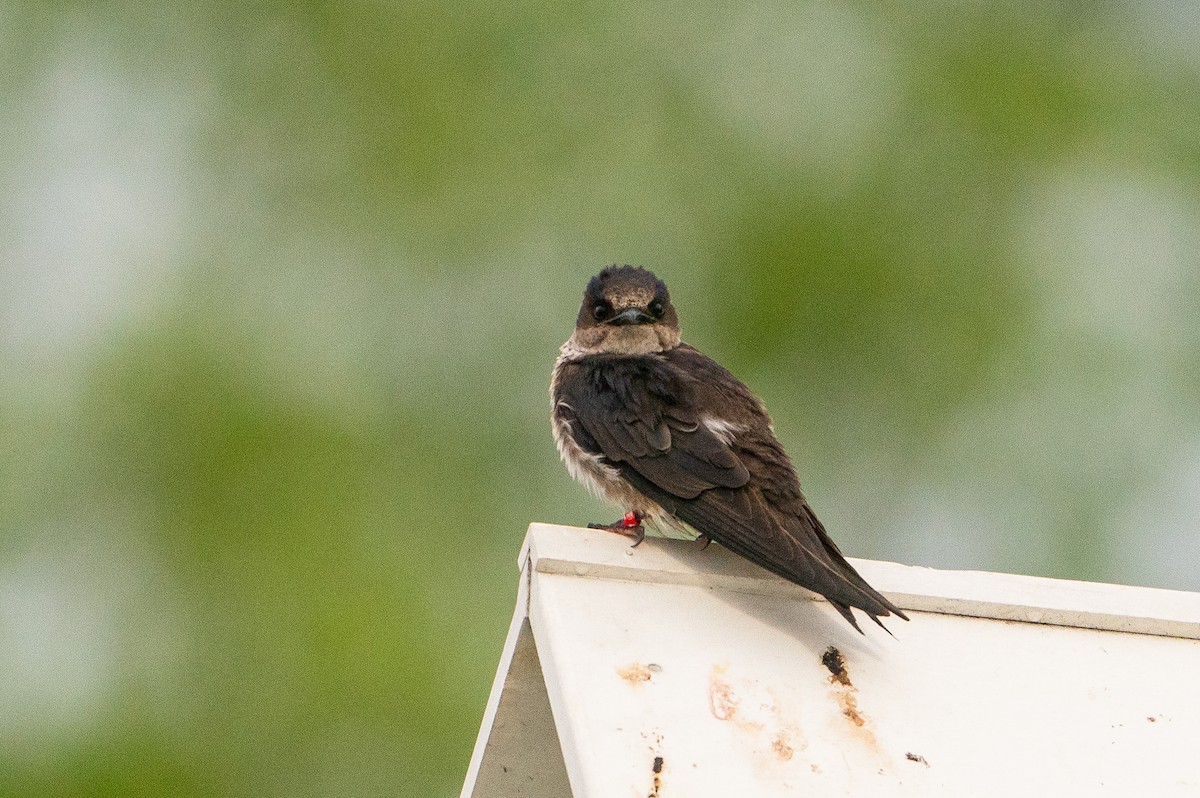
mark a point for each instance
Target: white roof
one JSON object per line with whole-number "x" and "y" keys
{"x": 668, "y": 670}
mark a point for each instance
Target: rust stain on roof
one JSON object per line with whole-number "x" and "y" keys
{"x": 782, "y": 747}
{"x": 844, "y": 693}
{"x": 849, "y": 705}
{"x": 755, "y": 711}
{"x": 635, "y": 673}
{"x": 722, "y": 701}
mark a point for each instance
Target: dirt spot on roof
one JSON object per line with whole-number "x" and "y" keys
{"x": 635, "y": 673}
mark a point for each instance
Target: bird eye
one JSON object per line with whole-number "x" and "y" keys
{"x": 656, "y": 308}
{"x": 600, "y": 311}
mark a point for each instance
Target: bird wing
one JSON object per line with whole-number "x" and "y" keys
{"x": 793, "y": 546}
{"x": 650, "y": 418}
{"x": 627, "y": 411}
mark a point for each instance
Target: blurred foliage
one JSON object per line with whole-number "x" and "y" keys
{"x": 281, "y": 286}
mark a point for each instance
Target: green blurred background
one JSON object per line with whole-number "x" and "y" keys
{"x": 281, "y": 286}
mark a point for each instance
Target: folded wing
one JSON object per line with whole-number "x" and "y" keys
{"x": 651, "y": 419}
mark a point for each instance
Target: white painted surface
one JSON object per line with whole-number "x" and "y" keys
{"x": 715, "y": 667}
{"x": 517, "y": 753}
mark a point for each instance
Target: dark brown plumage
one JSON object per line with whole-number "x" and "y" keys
{"x": 660, "y": 429}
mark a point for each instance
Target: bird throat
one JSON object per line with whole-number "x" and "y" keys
{"x": 629, "y": 339}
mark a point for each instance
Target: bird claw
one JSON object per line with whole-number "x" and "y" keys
{"x": 630, "y": 526}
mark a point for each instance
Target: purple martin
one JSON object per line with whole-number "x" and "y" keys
{"x": 656, "y": 427}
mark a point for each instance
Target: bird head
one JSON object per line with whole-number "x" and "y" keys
{"x": 626, "y": 310}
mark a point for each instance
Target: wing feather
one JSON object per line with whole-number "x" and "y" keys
{"x": 662, "y": 440}
{"x": 647, "y": 416}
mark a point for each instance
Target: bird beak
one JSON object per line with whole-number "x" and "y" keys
{"x": 631, "y": 316}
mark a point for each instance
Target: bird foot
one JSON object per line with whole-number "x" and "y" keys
{"x": 630, "y": 526}
{"x": 703, "y": 540}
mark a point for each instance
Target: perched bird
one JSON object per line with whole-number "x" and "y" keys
{"x": 654, "y": 426}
